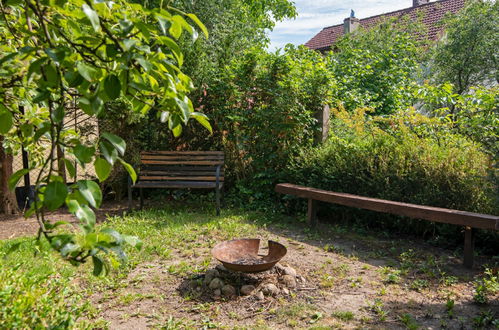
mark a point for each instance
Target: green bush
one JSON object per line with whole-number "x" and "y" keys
{"x": 406, "y": 157}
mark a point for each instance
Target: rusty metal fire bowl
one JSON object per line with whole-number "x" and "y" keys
{"x": 242, "y": 255}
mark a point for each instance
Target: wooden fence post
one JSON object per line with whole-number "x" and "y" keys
{"x": 469, "y": 245}
{"x": 312, "y": 213}
{"x": 323, "y": 120}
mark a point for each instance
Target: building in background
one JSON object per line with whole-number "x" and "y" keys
{"x": 431, "y": 14}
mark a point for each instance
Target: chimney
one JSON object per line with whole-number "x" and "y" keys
{"x": 416, "y": 3}
{"x": 350, "y": 24}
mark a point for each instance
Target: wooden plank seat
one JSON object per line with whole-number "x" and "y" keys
{"x": 469, "y": 220}
{"x": 179, "y": 170}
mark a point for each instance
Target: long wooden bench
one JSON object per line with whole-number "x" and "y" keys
{"x": 467, "y": 219}
{"x": 177, "y": 170}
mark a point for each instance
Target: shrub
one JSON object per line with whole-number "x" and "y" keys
{"x": 406, "y": 157}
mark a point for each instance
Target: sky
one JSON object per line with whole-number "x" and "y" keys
{"x": 314, "y": 15}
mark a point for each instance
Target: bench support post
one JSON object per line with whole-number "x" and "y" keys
{"x": 141, "y": 198}
{"x": 217, "y": 188}
{"x": 129, "y": 194}
{"x": 312, "y": 213}
{"x": 469, "y": 245}
{"x": 218, "y": 200}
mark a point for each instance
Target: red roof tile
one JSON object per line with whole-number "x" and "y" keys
{"x": 431, "y": 13}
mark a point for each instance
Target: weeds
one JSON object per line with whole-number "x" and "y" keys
{"x": 409, "y": 322}
{"x": 486, "y": 286}
{"x": 344, "y": 315}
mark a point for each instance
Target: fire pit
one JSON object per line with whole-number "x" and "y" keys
{"x": 242, "y": 255}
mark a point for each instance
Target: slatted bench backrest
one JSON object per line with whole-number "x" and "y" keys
{"x": 181, "y": 166}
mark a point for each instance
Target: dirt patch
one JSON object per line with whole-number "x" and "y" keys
{"x": 345, "y": 288}
{"x": 12, "y": 226}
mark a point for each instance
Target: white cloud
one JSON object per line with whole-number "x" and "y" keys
{"x": 314, "y": 15}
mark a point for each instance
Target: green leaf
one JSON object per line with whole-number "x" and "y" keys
{"x": 145, "y": 64}
{"x": 35, "y": 66}
{"x": 51, "y": 75}
{"x": 116, "y": 141}
{"x": 91, "y": 192}
{"x": 70, "y": 167}
{"x": 54, "y": 195}
{"x": 177, "y": 130}
{"x": 163, "y": 23}
{"x": 196, "y": 20}
{"x": 134, "y": 241}
{"x": 102, "y": 168}
{"x": 68, "y": 248}
{"x": 174, "y": 47}
{"x": 74, "y": 78}
{"x": 57, "y": 55}
{"x": 84, "y": 154}
{"x": 186, "y": 106}
{"x": 112, "y": 86}
{"x": 203, "y": 120}
{"x": 111, "y": 50}
{"x": 51, "y": 226}
{"x": 58, "y": 114}
{"x": 5, "y": 120}
{"x": 92, "y": 17}
{"x": 175, "y": 29}
{"x": 128, "y": 44}
{"x": 82, "y": 212}
{"x": 88, "y": 72}
{"x": 14, "y": 178}
{"x": 108, "y": 151}
{"x": 91, "y": 106}
{"x": 117, "y": 237}
{"x": 129, "y": 169}
{"x": 144, "y": 29}
{"x": 98, "y": 265}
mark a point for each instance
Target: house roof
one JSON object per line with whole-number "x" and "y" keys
{"x": 431, "y": 12}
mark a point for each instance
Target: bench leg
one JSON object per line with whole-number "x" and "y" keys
{"x": 141, "y": 198}
{"x": 129, "y": 195}
{"x": 312, "y": 213}
{"x": 218, "y": 201}
{"x": 469, "y": 246}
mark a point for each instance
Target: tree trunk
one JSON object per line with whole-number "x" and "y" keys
{"x": 61, "y": 165}
{"x": 8, "y": 203}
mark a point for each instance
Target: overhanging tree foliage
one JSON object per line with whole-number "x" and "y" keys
{"x": 53, "y": 52}
{"x": 468, "y": 54}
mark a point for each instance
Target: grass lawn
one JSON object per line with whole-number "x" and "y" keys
{"x": 351, "y": 280}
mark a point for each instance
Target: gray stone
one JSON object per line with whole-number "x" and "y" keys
{"x": 217, "y": 293}
{"x": 228, "y": 290}
{"x": 289, "y": 281}
{"x": 289, "y": 271}
{"x": 259, "y": 295}
{"x": 221, "y": 268}
{"x": 210, "y": 275}
{"x": 285, "y": 291}
{"x": 193, "y": 284}
{"x": 270, "y": 289}
{"x": 279, "y": 267}
{"x": 247, "y": 289}
{"x": 216, "y": 283}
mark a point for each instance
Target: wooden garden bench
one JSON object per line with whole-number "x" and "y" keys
{"x": 177, "y": 170}
{"x": 467, "y": 219}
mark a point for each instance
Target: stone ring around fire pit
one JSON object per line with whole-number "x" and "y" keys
{"x": 242, "y": 255}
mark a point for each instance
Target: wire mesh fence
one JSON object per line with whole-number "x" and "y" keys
{"x": 87, "y": 128}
